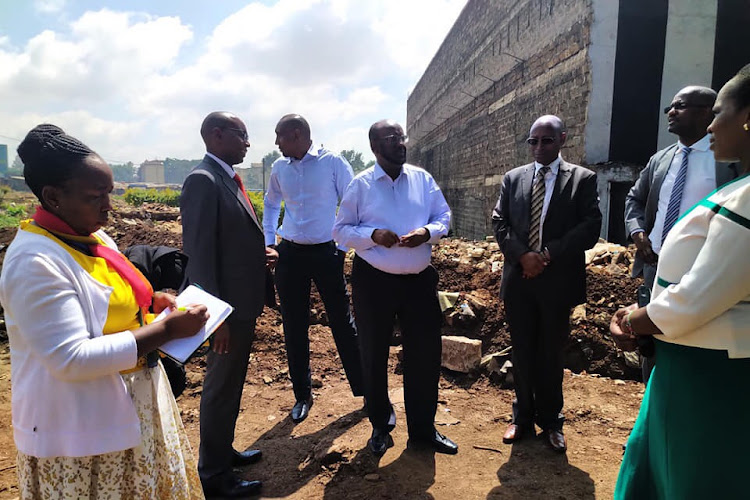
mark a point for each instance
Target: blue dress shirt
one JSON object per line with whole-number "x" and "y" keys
{"x": 375, "y": 201}
{"x": 311, "y": 189}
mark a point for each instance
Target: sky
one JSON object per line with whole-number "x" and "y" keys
{"x": 134, "y": 79}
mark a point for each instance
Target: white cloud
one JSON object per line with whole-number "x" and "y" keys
{"x": 124, "y": 81}
{"x": 49, "y": 6}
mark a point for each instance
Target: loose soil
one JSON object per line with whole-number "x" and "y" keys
{"x": 326, "y": 455}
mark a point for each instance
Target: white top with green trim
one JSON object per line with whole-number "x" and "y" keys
{"x": 701, "y": 297}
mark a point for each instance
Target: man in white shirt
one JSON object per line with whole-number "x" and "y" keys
{"x": 673, "y": 181}
{"x": 391, "y": 215}
{"x": 310, "y": 181}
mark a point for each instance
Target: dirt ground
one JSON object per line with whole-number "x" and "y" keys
{"x": 326, "y": 455}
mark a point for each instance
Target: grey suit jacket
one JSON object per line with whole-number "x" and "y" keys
{"x": 223, "y": 239}
{"x": 571, "y": 226}
{"x": 643, "y": 198}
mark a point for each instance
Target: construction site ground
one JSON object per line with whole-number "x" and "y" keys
{"x": 326, "y": 456}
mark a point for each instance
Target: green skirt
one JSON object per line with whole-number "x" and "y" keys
{"x": 692, "y": 435}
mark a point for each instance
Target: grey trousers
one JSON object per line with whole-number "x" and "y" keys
{"x": 220, "y": 400}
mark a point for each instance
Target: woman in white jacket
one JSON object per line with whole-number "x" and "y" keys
{"x": 93, "y": 414}
{"x": 692, "y": 439}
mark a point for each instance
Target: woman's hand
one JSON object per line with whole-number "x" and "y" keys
{"x": 185, "y": 321}
{"x": 162, "y": 301}
{"x": 625, "y": 341}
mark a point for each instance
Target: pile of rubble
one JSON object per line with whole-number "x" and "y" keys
{"x": 476, "y": 338}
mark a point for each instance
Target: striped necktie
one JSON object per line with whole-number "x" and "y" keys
{"x": 675, "y": 198}
{"x": 537, "y": 203}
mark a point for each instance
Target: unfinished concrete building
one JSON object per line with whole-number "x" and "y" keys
{"x": 606, "y": 67}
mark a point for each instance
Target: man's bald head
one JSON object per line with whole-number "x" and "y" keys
{"x": 551, "y": 121}
{"x": 690, "y": 113}
{"x": 293, "y": 136}
{"x": 378, "y": 126}
{"x": 388, "y": 144}
{"x": 546, "y": 137}
{"x": 225, "y": 136}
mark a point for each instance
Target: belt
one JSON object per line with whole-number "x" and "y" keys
{"x": 304, "y": 246}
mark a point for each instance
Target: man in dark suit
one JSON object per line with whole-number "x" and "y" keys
{"x": 664, "y": 191}
{"x": 546, "y": 217}
{"x": 223, "y": 239}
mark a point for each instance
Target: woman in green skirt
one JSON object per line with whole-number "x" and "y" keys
{"x": 692, "y": 438}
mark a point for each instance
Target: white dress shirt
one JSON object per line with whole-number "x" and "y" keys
{"x": 375, "y": 201}
{"x": 549, "y": 187}
{"x": 227, "y": 168}
{"x": 311, "y": 189}
{"x": 700, "y": 180}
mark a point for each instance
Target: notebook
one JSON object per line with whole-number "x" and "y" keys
{"x": 181, "y": 349}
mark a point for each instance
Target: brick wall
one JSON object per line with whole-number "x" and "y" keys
{"x": 471, "y": 111}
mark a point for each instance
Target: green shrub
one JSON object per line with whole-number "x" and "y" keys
{"x": 139, "y": 196}
{"x": 256, "y": 198}
{"x": 11, "y": 214}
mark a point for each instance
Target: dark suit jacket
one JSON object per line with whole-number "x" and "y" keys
{"x": 571, "y": 226}
{"x": 223, "y": 240}
{"x": 643, "y": 198}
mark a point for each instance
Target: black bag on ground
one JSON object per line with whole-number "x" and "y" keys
{"x": 164, "y": 267}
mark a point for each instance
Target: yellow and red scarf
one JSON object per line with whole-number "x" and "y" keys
{"x": 141, "y": 287}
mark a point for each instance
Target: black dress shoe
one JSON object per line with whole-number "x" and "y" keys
{"x": 247, "y": 457}
{"x": 301, "y": 409}
{"x": 436, "y": 442}
{"x": 380, "y": 441}
{"x": 230, "y": 485}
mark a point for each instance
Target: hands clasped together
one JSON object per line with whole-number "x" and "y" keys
{"x": 621, "y": 329}
{"x": 388, "y": 238}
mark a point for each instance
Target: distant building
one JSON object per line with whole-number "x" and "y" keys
{"x": 606, "y": 67}
{"x": 252, "y": 176}
{"x": 3, "y": 159}
{"x": 152, "y": 172}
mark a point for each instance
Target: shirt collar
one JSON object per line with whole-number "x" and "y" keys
{"x": 554, "y": 166}
{"x": 312, "y": 152}
{"x": 703, "y": 145}
{"x": 229, "y": 170}
{"x": 379, "y": 172}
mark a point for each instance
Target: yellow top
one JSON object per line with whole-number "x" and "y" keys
{"x": 122, "y": 313}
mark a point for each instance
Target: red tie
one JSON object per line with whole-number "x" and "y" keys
{"x": 244, "y": 193}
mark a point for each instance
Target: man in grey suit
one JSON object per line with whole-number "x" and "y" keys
{"x": 546, "y": 217}
{"x": 674, "y": 180}
{"x": 223, "y": 239}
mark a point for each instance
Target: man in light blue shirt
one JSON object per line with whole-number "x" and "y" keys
{"x": 310, "y": 182}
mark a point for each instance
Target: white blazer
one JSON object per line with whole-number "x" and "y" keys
{"x": 68, "y": 398}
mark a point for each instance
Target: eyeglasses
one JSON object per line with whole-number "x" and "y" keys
{"x": 395, "y": 139}
{"x": 679, "y": 105}
{"x": 546, "y": 141}
{"x": 242, "y": 134}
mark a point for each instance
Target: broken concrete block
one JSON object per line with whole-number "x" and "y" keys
{"x": 476, "y": 303}
{"x": 578, "y": 314}
{"x": 461, "y": 354}
{"x": 476, "y": 253}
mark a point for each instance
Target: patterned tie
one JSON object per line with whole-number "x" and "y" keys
{"x": 675, "y": 198}
{"x": 244, "y": 193}
{"x": 537, "y": 202}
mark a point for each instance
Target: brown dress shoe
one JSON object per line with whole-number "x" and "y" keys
{"x": 556, "y": 440}
{"x": 515, "y": 433}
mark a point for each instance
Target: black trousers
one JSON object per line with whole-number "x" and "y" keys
{"x": 380, "y": 298}
{"x": 220, "y": 400}
{"x": 539, "y": 327}
{"x": 297, "y": 267}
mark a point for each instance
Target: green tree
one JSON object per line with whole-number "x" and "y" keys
{"x": 176, "y": 170}
{"x": 355, "y": 160}
{"x": 270, "y": 158}
{"x": 124, "y": 172}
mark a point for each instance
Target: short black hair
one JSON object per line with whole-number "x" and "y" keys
{"x": 738, "y": 88}
{"x": 50, "y": 157}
